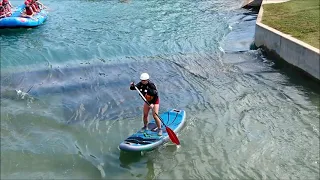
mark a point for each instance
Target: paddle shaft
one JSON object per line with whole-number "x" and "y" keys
{"x": 145, "y": 100}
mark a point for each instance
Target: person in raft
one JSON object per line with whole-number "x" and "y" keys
{"x": 7, "y": 6}
{"x": 35, "y": 6}
{"x": 28, "y": 10}
{"x": 40, "y": 5}
{"x": 3, "y": 12}
{"x": 150, "y": 92}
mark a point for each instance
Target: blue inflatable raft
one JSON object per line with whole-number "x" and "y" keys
{"x": 16, "y": 21}
{"x": 149, "y": 140}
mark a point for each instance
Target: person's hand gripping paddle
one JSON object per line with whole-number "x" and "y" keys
{"x": 173, "y": 137}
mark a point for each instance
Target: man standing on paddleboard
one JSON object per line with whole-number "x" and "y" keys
{"x": 150, "y": 92}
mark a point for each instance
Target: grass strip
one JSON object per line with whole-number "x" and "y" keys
{"x": 299, "y": 18}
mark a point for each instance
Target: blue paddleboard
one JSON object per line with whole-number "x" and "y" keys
{"x": 149, "y": 139}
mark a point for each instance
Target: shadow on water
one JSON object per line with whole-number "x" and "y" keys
{"x": 18, "y": 31}
{"x": 295, "y": 75}
{"x": 241, "y": 39}
{"x": 128, "y": 159}
{"x": 84, "y": 92}
{"x": 67, "y": 86}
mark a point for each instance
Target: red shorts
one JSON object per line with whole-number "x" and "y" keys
{"x": 157, "y": 101}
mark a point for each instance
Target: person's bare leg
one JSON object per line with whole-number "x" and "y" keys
{"x": 145, "y": 114}
{"x": 156, "y": 118}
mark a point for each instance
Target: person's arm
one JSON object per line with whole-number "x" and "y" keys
{"x": 35, "y": 6}
{"x": 25, "y": 15}
{"x": 8, "y": 13}
{"x": 33, "y": 13}
{"x": 132, "y": 86}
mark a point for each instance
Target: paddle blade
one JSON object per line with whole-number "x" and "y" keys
{"x": 173, "y": 137}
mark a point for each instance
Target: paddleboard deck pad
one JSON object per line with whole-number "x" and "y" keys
{"x": 149, "y": 139}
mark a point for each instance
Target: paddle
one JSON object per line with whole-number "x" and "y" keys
{"x": 173, "y": 137}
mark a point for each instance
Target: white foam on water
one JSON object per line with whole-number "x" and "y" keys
{"x": 21, "y": 94}
{"x": 100, "y": 167}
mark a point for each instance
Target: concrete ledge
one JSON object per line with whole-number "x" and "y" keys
{"x": 258, "y": 3}
{"x": 251, "y": 3}
{"x": 292, "y": 50}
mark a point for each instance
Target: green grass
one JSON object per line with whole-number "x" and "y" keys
{"x": 299, "y": 18}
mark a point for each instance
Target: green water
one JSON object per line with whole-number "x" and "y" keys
{"x": 66, "y": 103}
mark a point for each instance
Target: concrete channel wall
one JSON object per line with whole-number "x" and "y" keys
{"x": 292, "y": 50}
{"x": 252, "y": 3}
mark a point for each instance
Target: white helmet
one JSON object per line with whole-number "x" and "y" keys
{"x": 144, "y": 76}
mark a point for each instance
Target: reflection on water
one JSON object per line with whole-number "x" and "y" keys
{"x": 132, "y": 160}
{"x": 128, "y": 158}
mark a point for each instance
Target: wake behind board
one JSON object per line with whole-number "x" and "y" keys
{"x": 149, "y": 139}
